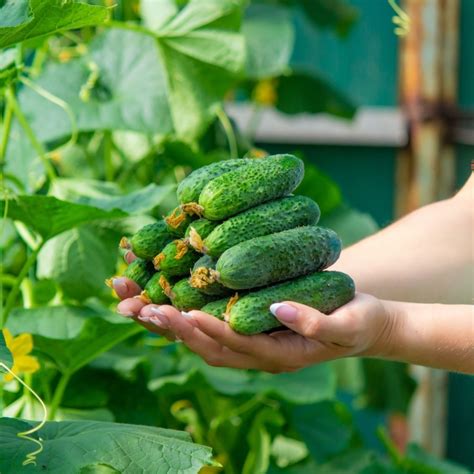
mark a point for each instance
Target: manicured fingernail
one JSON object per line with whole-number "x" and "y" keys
{"x": 119, "y": 284}
{"x": 127, "y": 314}
{"x": 145, "y": 319}
{"x": 128, "y": 257}
{"x": 187, "y": 315}
{"x": 284, "y": 312}
{"x": 159, "y": 318}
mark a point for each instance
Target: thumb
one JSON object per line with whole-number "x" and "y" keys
{"x": 309, "y": 322}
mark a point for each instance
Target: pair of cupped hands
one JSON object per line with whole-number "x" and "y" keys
{"x": 361, "y": 327}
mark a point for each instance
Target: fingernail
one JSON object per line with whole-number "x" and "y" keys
{"x": 119, "y": 284}
{"x": 145, "y": 319}
{"x": 159, "y": 318}
{"x": 127, "y": 314}
{"x": 187, "y": 315}
{"x": 284, "y": 312}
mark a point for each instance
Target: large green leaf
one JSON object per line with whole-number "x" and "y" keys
{"x": 50, "y": 216}
{"x": 301, "y": 92}
{"x": 21, "y": 20}
{"x": 105, "y": 195}
{"x": 5, "y": 355}
{"x": 70, "y": 446}
{"x": 79, "y": 261}
{"x": 419, "y": 461}
{"x": 326, "y": 427}
{"x": 269, "y": 36}
{"x": 71, "y": 336}
{"x": 308, "y": 385}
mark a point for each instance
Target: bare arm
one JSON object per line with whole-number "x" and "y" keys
{"x": 425, "y": 257}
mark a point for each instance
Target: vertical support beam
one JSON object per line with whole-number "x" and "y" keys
{"x": 425, "y": 169}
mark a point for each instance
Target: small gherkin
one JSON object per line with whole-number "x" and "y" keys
{"x": 177, "y": 221}
{"x": 202, "y": 278}
{"x": 186, "y": 298}
{"x": 157, "y": 289}
{"x": 140, "y": 271}
{"x": 176, "y": 259}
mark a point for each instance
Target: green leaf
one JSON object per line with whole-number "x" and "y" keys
{"x": 269, "y": 36}
{"x": 70, "y": 446}
{"x": 418, "y": 461}
{"x": 50, "y": 216}
{"x": 23, "y": 20}
{"x": 308, "y": 385}
{"x": 306, "y": 93}
{"x": 337, "y": 14}
{"x": 71, "y": 336}
{"x": 8, "y": 68}
{"x": 351, "y": 225}
{"x": 5, "y": 354}
{"x": 78, "y": 261}
{"x": 326, "y": 427}
{"x": 288, "y": 451}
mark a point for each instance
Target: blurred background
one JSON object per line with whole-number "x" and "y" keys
{"x": 381, "y": 112}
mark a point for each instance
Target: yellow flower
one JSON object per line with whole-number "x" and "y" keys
{"x": 265, "y": 92}
{"x": 20, "y": 347}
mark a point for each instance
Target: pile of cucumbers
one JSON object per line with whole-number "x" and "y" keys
{"x": 238, "y": 242}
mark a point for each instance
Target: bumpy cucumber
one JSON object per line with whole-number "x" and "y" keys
{"x": 276, "y": 216}
{"x": 325, "y": 291}
{"x": 216, "y": 308}
{"x": 190, "y": 188}
{"x": 155, "y": 290}
{"x": 233, "y": 192}
{"x": 176, "y": 259}
{"x": 277, "y": 257}
{"x": 140, "y": 271}
{"x": 202, "y": 279}
{"x": 149, "y": 240}
{"x": 185, "y": 298}
{"x": 202, "y": 227}
{"x": 177, "y": 221}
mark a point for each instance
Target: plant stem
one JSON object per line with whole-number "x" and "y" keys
{"x": 229, "y": 132}
{"x": 108, "y": 164}
{"x": 31, "y": 135}
{"x": 7, "y": 125}
{"x": 16, "y": 287}
{"x": 58, "y": 395}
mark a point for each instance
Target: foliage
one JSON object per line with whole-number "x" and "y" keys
{"x": 99, "y": 124}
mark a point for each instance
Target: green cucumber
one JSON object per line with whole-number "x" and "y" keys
{"x": 140, "y": 271}
{"x": 276, "y": 257}
{"x": 185, "y": 298}
{"x": 324, "y": 291}
{"x": 219, "y": 308}
{"x": 276, "y": 216}
{"x": 176, "y": 259}
{"x": 201, "y": 278}
{"x": 190, "y": 188}
{"x": 155, "y": 290}
{"x": 267, "y": 179}
{"x": 177, "y": 221}
{"x": 148, "y": 241}
{"x": 202, "y": 227}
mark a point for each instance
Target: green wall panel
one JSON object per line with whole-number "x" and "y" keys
{"x": 363, "y": 65}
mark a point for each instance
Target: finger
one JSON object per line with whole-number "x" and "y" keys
{"x": 313, "y": 324}
{"x": 221, "y": 332}
{"x": 129, "y": 257}
{"x": 147, "y": 318}
{"x": 185, "y": 328}
{"x": 125, "y": 288}
{"x": 130, "y": 307}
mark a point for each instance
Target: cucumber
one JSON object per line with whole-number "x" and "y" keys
{"x": 202, "y": 279}
{"x": 276, "y": 216}
{"x": 156, "y": 289}
{"x": 267, "y": 179}
{"x": 190, "y": 188}
{"x": 185, "y": 298}
{"x": 176, "y": 259}
{"x": 216, "y": 308}
{"x": 202, "y": 227}
{"x": 140, "y": 271}
{"x": 177, "y": 221}
{"x": 325, "y": 291}
{"x": 276, "y": 257}
{"x": 148, "y": 241}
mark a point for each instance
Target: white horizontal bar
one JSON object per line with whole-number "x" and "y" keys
{"x": 372, "y": 126}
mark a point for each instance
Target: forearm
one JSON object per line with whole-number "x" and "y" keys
{"x": 425, "y": 257}
{"x": 440, "y": 336}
